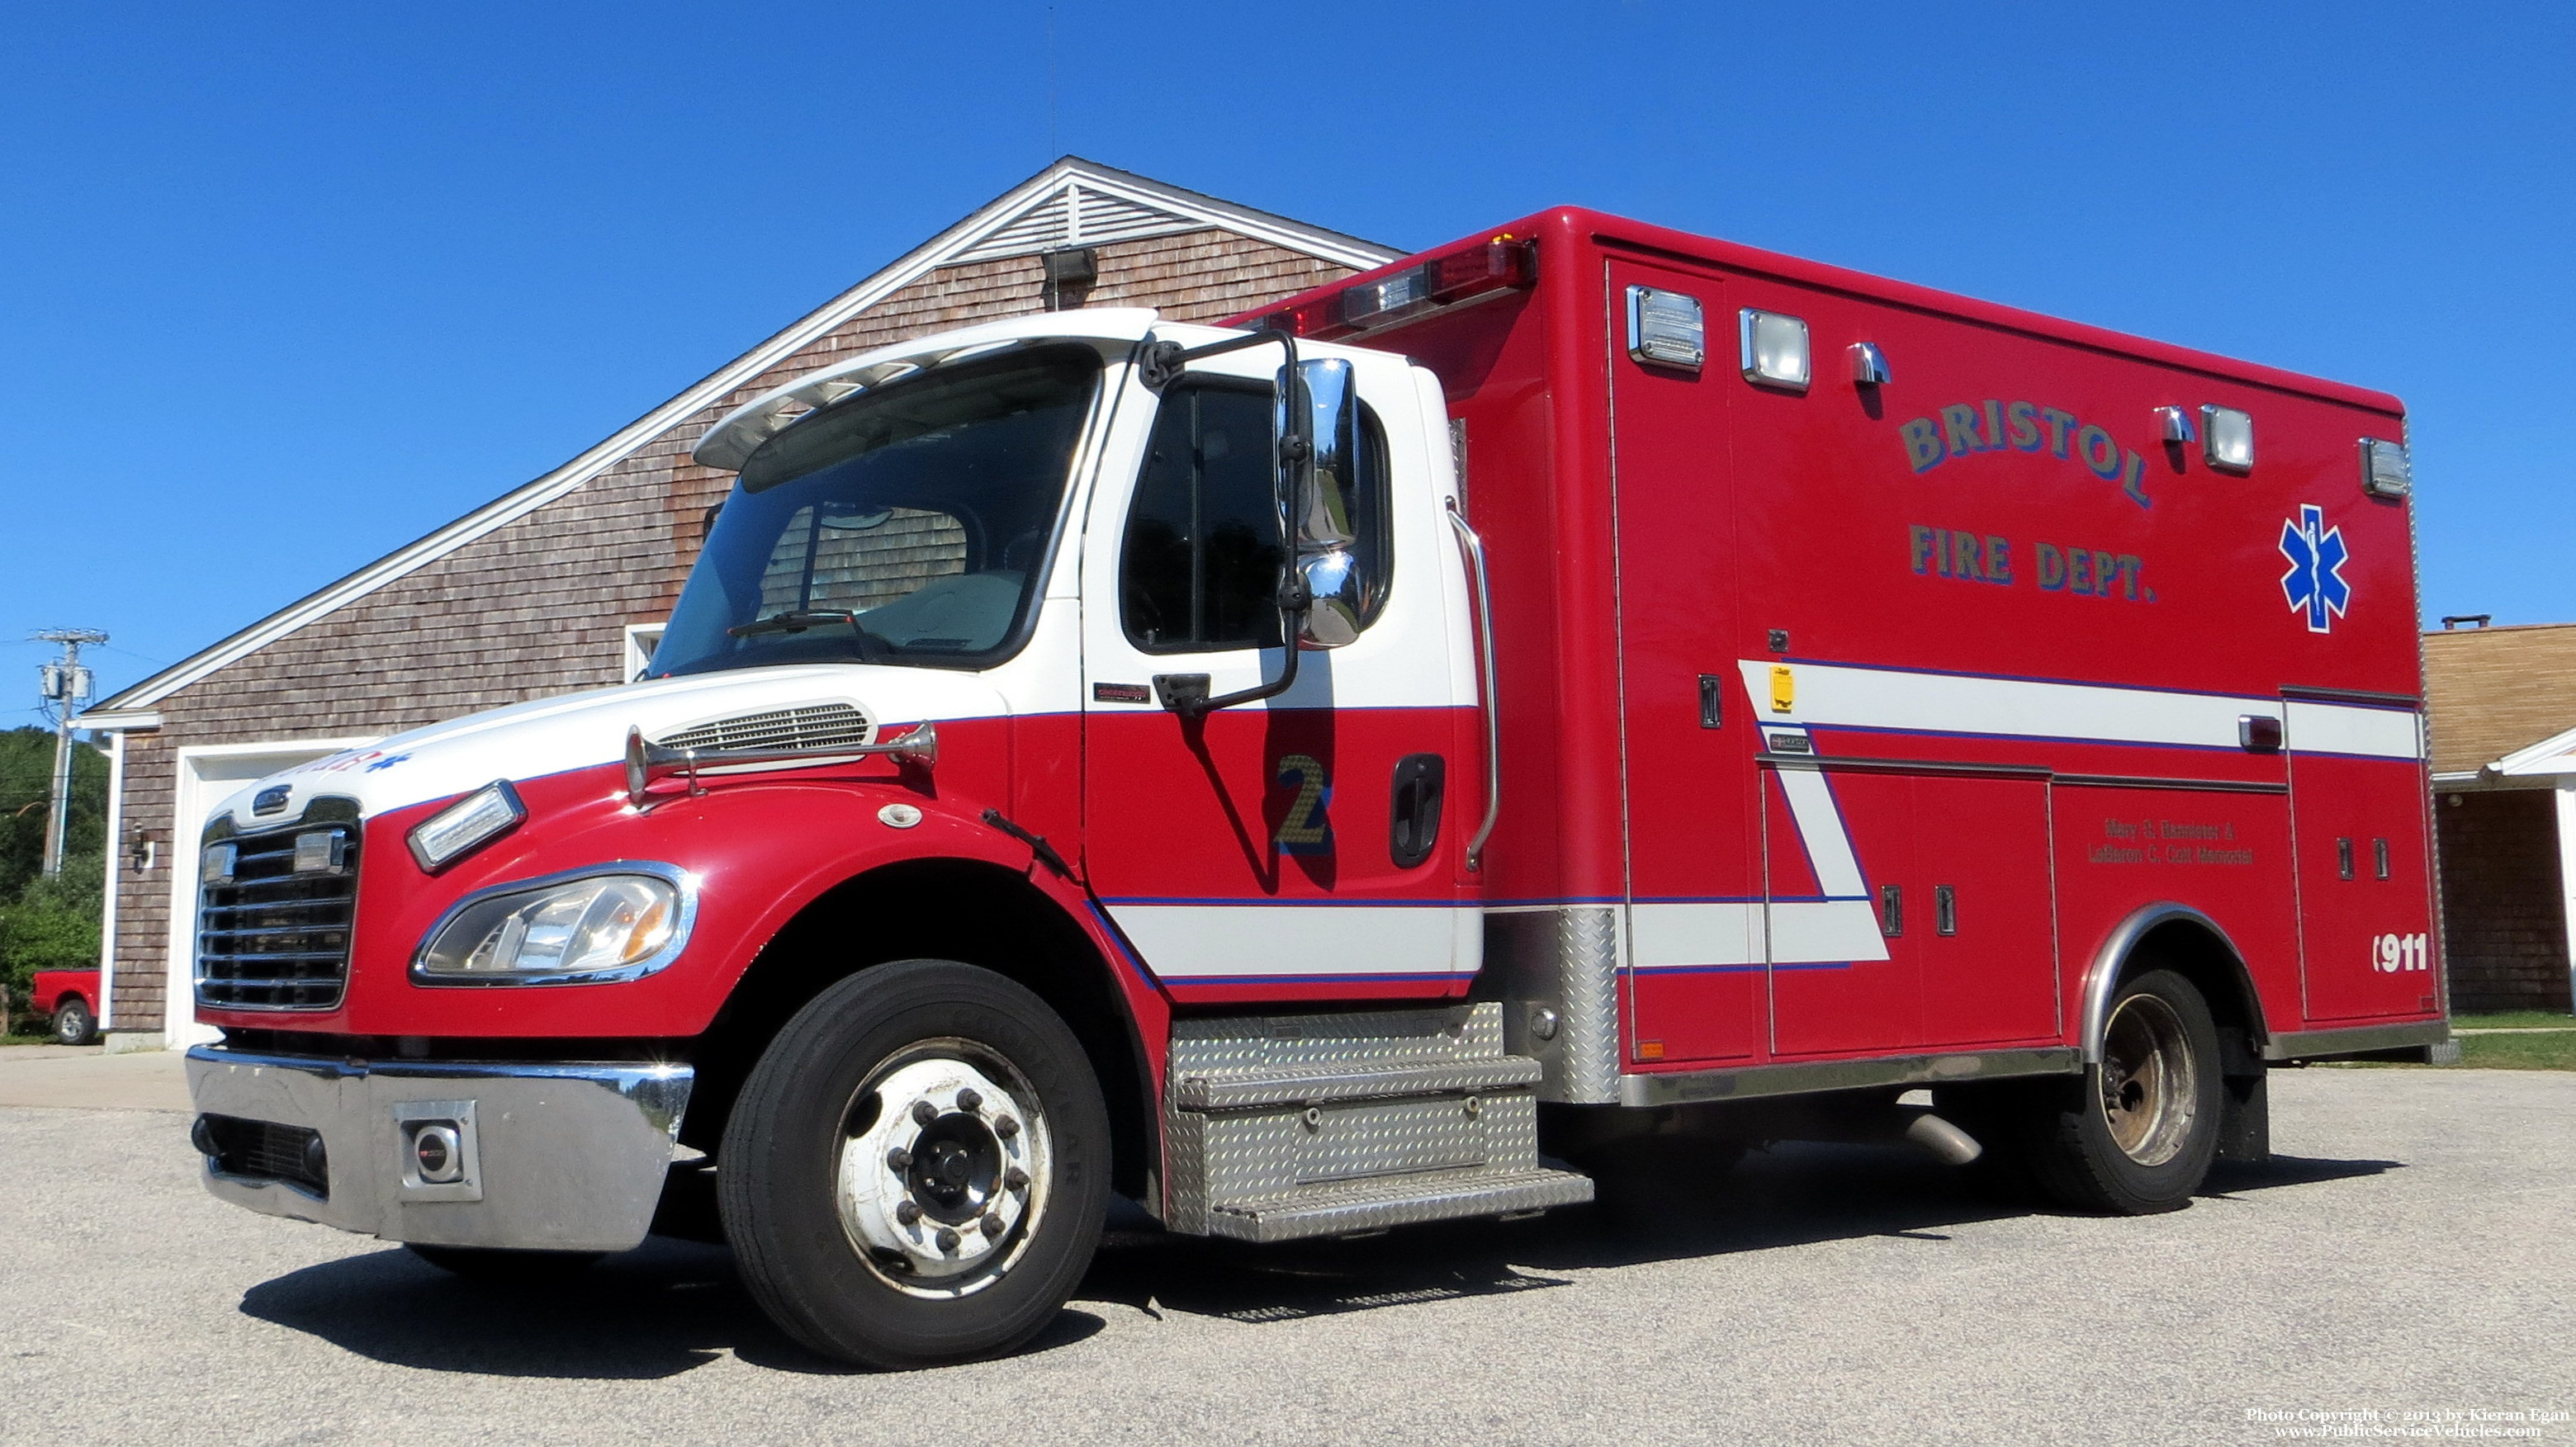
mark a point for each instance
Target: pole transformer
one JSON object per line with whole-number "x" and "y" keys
{"x": 64, "y": 684}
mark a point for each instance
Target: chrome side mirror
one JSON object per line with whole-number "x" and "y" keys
{"x": 1319, "y": 431}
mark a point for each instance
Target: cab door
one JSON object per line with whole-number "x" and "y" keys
{"x": 1307, "y": 846}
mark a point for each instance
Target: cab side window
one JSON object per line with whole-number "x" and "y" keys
{"x": 1199, "y": 570}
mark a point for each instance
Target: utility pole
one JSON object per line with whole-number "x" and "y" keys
{"x": 64, "y": 684}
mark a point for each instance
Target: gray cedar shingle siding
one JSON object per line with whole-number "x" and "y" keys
{"x": 539, "y": 606}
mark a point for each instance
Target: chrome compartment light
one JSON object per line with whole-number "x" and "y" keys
{"x": 466, "y": 825}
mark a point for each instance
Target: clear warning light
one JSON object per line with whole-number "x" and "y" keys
{"x": 1775, "y": 350}
{"x": 2227, "y": 438}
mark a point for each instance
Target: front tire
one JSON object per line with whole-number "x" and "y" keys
{"x": 2136, "y": 1133}
{"x": 917, "y": 1170}
{"x": 74, "y": 1024}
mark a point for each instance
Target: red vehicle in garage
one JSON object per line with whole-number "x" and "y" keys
{"x": 1584, "y": 686}
{"x": 70, "y": 998}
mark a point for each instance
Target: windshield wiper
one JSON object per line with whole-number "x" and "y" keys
{"x": 797, "y": 620}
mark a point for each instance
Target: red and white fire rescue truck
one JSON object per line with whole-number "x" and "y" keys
{"x": 1584, "y": 685}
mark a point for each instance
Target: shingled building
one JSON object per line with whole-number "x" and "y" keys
{"x": 2503, "y": 709}
{"x": 563, "y": 583}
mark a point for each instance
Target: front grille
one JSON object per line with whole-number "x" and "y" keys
{"x": 263, "y": 1150}
{"x": 270, "y": 937}
{"x": 812, "y": 726}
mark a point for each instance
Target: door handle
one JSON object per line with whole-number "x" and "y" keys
{"x": 1413, "y": 818}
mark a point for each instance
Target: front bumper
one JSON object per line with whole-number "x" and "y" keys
{"x": 559, "y": 1157}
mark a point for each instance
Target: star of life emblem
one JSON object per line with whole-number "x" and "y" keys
{"x": 2314, "y": 584}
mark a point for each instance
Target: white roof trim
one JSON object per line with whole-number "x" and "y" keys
{"x": 1067, "y": 175}
{"x": 2551, "y": 755}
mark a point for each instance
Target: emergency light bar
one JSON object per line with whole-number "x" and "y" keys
{"x": 1498, "y": 265}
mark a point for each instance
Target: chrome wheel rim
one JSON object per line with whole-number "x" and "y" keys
{"x": 2147, "y": 1072}
{"x": 944, "y": 1168}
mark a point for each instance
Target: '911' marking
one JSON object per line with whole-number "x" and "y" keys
{"x": 2390, "y": 954}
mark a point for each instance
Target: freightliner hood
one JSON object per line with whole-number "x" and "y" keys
{"x": 587, "y": 730}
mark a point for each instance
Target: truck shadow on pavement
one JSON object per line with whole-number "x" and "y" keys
{"x": 672, "y": 1306}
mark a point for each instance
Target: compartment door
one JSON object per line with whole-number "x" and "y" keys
{"x": 1908, "y": 911}
{"x": 2365, "y": 915}
{"x": 1694, "y": 983}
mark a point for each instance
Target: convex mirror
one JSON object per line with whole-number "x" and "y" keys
{"x": 1319, "y": 433}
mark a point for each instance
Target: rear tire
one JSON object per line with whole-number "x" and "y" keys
{"x": 917, "y": 1170}
{"x": 2134, "y": 1134}
{"x": 74, "y": 1024}
{"x": 495, "y": 1266}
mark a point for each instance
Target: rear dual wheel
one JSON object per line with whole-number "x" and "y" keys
{"x": 917, "y": 1169}
{"x": 2136, "y": 1133}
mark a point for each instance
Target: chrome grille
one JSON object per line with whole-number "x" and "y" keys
{"x": 270, "y": 937}
{"x": 811, "y": 726}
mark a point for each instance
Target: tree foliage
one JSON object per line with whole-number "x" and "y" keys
{"x": 48, "y": 924}
{"x": 26, "y": 780}
{"x": 54, "y": 923}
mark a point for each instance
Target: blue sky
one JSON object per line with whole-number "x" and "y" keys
{"x": 282, "y": 288}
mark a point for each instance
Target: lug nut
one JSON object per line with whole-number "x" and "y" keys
{"x": 993, "y": 1226}
{"x": 1005, "y": 1126}
{"x": 923, "y": 1112}
{"x": 907, "y": 1211}
{"x": 898, "y": 1159}
{"x": 970, "y": 1099}
{"x": 1017, "y": 1180}
{"x": 947, "y": 1239}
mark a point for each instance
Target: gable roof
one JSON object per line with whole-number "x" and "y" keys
{"x": 2495, "y": 693}
{"x": 1071, "y": 203}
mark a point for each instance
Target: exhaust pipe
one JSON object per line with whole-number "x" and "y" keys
{"x": 1945, "y": 1141}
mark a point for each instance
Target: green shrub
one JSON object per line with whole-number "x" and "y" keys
{"x": 53, "y": 924}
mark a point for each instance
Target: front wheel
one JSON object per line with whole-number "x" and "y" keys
{"x": 74, "y": 1024}
{"x": 2139, "y": 1131}
{"x": 917, "y": 1169}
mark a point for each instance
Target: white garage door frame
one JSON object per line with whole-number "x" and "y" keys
{"x": 206, "y": 773}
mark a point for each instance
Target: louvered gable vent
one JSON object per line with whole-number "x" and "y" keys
{"x": 1077, "y": 215}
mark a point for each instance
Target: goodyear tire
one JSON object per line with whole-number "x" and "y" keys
{"x": 74, "y": 1024}
{"x": 2136, "y": 1133}
{"x": 917, "y": 1169}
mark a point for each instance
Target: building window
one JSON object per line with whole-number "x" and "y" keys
{"x": 641, "y": 640}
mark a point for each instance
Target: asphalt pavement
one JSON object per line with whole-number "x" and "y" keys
{"x": 2413, "y": 1249}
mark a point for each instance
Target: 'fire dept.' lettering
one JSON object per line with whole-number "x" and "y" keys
{"x": 1967, "y": 557}
{"x": 1965, "y": 429}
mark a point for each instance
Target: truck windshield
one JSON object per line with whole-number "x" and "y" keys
{"x": 908, "y": 524}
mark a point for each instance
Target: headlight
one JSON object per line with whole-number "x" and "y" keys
{"x": 466, "y": 825}
{"x": 599, "y": 927}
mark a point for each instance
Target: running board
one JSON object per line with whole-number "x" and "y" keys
{"x": 1283, "y": 1127}
{"x": 1401, "y": 1201}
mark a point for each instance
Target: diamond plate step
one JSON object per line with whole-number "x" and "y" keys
{"x": 1372, "y": 1205}
{"x": 1243, "y": 1089}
